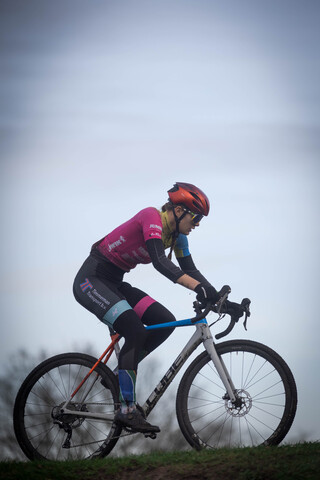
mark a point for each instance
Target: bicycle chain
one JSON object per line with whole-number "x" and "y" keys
{"x": 102, "y": 441}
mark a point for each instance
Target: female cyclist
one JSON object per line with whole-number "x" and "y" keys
{"x": 100, "y": 288}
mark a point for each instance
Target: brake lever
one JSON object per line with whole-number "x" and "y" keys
{"x": 245, "y": 321}
{"x": 246, "y": 306}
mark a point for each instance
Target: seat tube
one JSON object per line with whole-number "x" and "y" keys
{"x": 217, "y": 361}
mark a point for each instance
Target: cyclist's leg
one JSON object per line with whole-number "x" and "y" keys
{"x": 102, "y": 297}
{"x": 151, "y": 312}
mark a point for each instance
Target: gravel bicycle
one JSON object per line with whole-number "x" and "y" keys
{"x": 235, "y": 393}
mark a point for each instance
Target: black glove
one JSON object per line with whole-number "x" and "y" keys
{"x": 206, "y": 293}
{"x": 235, "y": 310}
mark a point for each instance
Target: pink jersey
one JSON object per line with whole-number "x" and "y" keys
{"x": 126, "y": 245}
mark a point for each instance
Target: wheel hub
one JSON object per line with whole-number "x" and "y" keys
{"x": 66, "y": 418}
{"x": 241, "y": 406}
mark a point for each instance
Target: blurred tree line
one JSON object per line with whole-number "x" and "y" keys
{"x": 23, "y": 362}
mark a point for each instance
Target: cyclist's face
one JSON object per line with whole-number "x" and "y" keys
{"x": 186, "y": 225}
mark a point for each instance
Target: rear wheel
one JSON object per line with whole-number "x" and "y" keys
{"x": 265, "y": 391}
{"x": 44, "y": 431}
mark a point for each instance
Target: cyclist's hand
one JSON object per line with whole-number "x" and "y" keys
{"x": 206, "y": 293}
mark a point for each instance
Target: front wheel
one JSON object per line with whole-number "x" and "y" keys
{"x": 42, "y": 429}
{"x": 266, "y": 398}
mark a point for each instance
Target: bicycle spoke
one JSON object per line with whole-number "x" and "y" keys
{"x": 261, "y": 402}
{"x": 210, "y": 380}
{"x": 46, "y": 430}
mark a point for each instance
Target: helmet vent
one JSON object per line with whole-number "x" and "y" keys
{"x": 195, "y": 196}
{"x": 198, "y": 200}
{"x": 190, "y": 197}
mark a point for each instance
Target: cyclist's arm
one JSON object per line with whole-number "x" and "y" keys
{"x": 187, "y": 266}
{"x": 185, "y": 260}
{"x": 166, "y": 267}
{"x": 187, "y": 281}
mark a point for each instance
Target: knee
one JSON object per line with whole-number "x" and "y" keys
{"x": 130, "y": 327}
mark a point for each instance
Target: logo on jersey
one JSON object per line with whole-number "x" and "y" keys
{"x": 156, "y": 226}
{"x": 115, "y": 244}
{"x": 85, "y": 285}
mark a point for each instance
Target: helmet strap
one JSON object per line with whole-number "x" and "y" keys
{"x": 178, "y": 219}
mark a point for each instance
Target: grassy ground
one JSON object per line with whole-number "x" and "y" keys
{"x": 301, "y": 461}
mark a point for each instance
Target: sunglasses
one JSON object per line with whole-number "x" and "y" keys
{"x": 195, "y": 217}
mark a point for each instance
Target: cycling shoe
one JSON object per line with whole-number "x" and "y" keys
{"x": 135, "y": 422}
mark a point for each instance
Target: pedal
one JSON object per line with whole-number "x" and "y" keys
{"x": 151, "y": 435}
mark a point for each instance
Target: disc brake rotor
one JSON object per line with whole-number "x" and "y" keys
{"x": 241, "y": 406}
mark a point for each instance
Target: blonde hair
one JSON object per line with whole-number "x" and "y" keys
{"x": 168, "y": 207}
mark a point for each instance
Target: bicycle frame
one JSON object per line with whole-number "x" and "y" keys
{"x": 201, "y": 335}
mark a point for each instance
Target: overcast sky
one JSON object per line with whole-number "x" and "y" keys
{"x": 106, "y": 104}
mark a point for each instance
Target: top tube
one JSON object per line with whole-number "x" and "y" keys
{"x": 179, "y": 323}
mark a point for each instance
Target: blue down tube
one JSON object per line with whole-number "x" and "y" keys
{"x": 178, "y": 323}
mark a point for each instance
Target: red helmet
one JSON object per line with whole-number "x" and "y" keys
{"x": 190, "y": 197}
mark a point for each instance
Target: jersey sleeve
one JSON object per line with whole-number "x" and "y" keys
{"x": 187, "y": 266}
{"x": 161, "y": 262}
{"x": 151, "y": 223}
{"x": 185, "y": 260}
